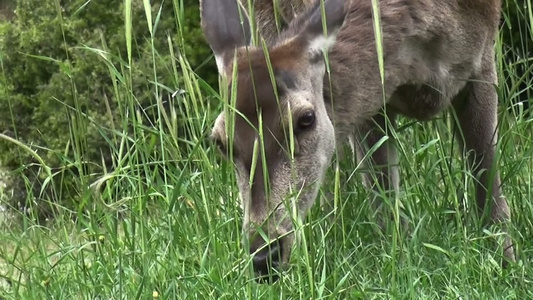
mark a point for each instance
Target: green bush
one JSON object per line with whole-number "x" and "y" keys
{"x": 59, "y": 95}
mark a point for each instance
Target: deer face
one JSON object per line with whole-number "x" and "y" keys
{"x": 283, "y": 138}
{"x": 283, "y": 141}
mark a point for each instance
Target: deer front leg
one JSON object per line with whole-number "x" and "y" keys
{"x": 380, "y": 165}
{"x": 476, "y": 112}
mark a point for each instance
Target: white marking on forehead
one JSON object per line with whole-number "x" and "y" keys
{"x": 322, "y": 43}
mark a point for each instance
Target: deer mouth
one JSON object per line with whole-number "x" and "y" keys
{"x": 267, "y": 259}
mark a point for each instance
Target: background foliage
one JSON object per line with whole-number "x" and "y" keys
{"x": 55, "y": 98}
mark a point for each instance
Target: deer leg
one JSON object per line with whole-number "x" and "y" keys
{"x": 380, "y": 165}
{"x": 476, "y": 111}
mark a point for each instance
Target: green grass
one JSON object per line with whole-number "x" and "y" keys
{"x": 167, "y": 220}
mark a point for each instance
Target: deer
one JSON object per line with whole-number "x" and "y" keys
{"x": 314, "y": 82}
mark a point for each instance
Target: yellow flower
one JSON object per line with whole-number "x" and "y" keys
{"x": 155, "y": 295}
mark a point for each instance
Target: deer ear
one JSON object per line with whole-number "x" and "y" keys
{"x": 334, "y": 13}
{"x": 226, "y": 27}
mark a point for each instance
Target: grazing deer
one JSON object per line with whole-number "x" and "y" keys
{"x": 291, "y": 114}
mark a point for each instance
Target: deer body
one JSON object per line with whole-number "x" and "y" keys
{"x": 436, "y": 54}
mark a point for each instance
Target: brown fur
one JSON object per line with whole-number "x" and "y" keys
{"x": 437, "y": 54}
{"x": 269, "y": 23}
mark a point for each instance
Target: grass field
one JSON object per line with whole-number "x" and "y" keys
{"x": 166, "y": 223}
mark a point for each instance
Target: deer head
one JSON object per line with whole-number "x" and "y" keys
{"x": 283, "y": 138}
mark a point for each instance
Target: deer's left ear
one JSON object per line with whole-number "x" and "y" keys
{"x": 226, "y": 27}
{"x": 334, "y": 12}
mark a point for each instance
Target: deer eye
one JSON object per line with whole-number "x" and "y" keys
{"x": 306, "y": 120}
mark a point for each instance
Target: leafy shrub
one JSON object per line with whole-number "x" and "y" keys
{"x": 61, "y": 63}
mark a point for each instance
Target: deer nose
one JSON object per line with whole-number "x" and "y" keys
{"x": 266, "y": 258}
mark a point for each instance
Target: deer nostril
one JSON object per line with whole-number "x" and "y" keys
{"x": 266, "y": 259}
